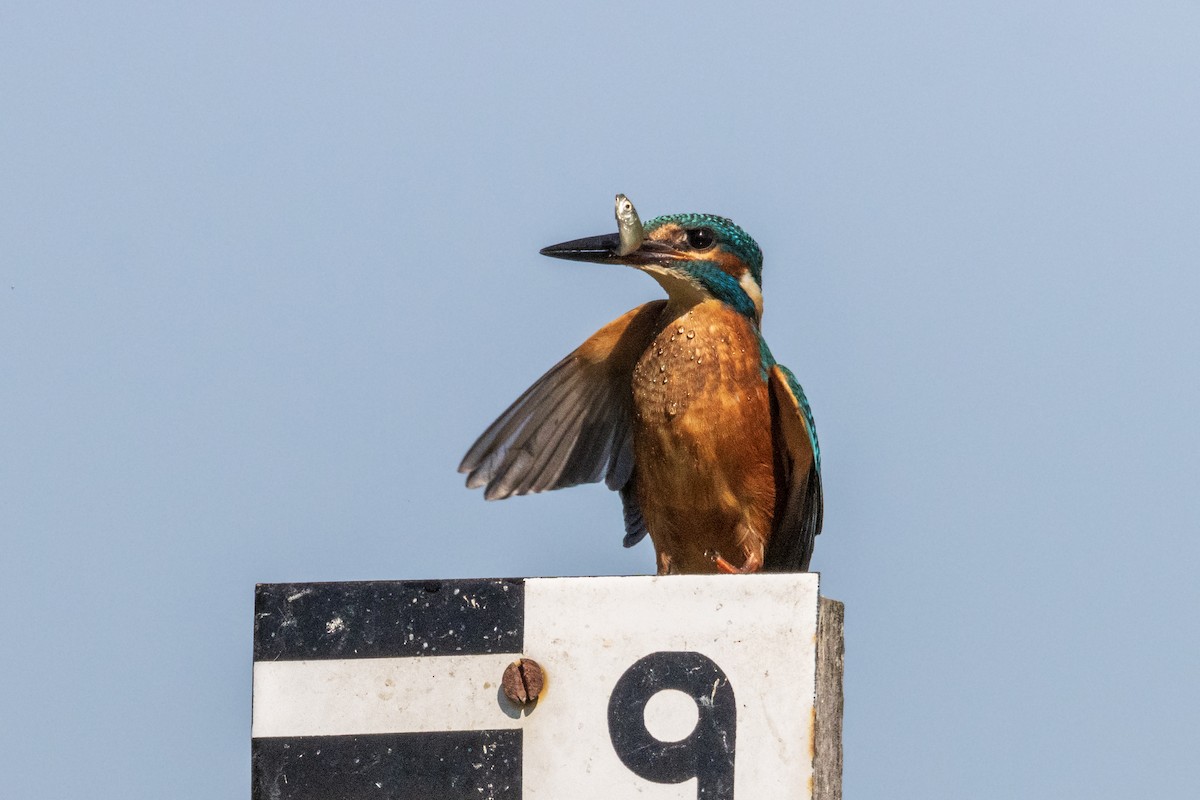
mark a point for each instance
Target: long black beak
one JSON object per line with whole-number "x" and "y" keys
{"x": 603, "y": 250}
{"x": 598, "y": 249}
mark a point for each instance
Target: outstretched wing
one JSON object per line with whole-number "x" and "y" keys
{"x": 799, "y": 506}
{"x": 574, "y": 424}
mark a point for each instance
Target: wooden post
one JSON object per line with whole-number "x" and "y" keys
{"x": 831, "y": 662}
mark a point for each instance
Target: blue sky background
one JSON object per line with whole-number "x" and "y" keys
{"x": 267, "y": 269}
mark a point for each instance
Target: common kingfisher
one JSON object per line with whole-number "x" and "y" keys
{"x": 678, "y": 405}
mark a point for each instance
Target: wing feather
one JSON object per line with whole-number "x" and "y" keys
{"x": 635, "y": 523}
{"x": 552, "y": 460}
{"x": 799, "y": 504}
{"x": 572, "y": 426}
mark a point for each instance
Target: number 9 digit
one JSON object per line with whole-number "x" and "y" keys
{"x": 707, "y": 753}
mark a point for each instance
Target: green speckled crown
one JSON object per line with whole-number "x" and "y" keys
{"x": 731, "y": 236}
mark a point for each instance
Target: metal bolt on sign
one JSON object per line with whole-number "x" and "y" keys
{"x": 522, "y": 681}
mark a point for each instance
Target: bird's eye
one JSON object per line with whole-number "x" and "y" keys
{"x": 701, "y": 238}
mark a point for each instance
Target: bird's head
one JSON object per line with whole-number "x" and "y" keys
{"x": 693, "y": 256}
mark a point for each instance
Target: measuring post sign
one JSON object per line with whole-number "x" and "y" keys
{"x": 675, "y": 687}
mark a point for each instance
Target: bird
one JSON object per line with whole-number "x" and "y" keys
{"x": 678, "y": 405}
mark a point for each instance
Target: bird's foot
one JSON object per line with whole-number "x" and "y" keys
{"x": 751, "y": 564}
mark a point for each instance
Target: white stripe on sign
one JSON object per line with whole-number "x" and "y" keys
{"x": 380, "y": 695}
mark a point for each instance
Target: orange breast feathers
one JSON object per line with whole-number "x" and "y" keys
{"x": 702, "y": 441}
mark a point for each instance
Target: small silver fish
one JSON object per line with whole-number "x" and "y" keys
{"x": 629, "y": 226}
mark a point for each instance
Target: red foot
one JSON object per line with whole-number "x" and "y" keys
{"x": 724, "y": 566}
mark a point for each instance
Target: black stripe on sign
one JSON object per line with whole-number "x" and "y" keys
{"x": 480, "y": 765}
{"x": 387, "y": 619}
